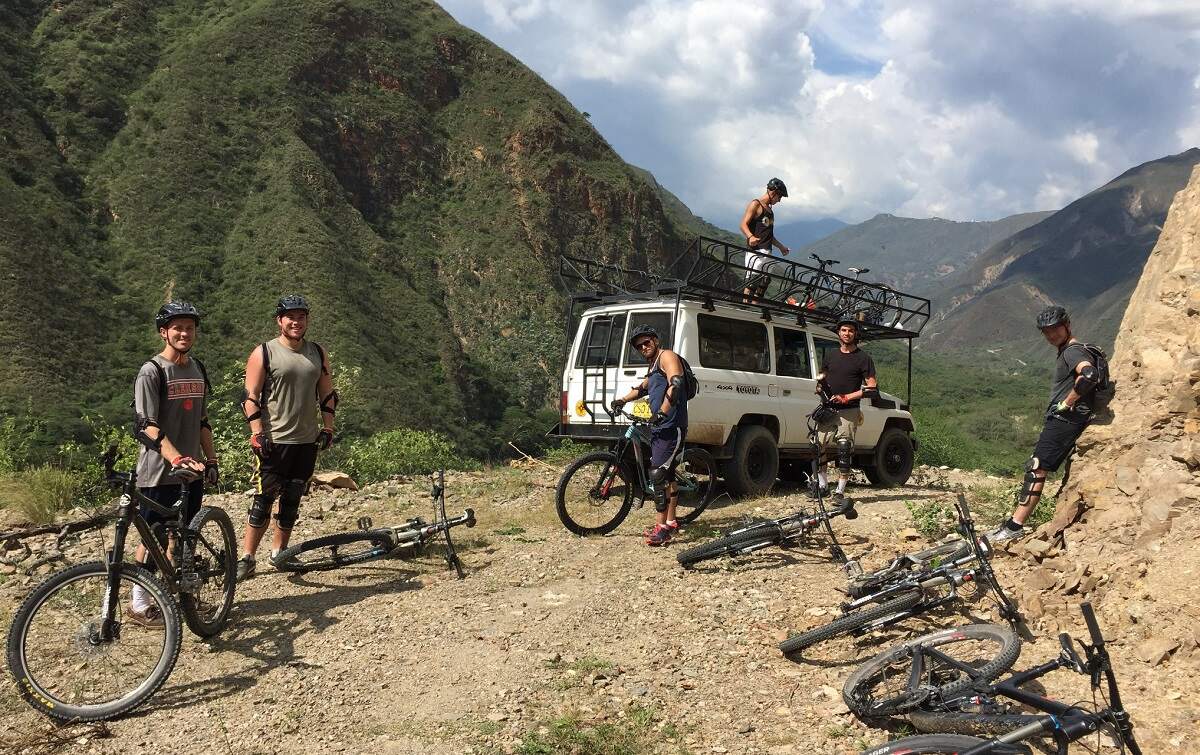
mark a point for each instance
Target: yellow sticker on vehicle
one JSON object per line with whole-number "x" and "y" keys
{"x": 580, "y": 409}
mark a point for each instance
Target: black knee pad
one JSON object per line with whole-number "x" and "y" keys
{"x": 660, "y": 477}
{"x": 845, "y": 455}
{"x": 1032, "y": 478}
{"x": 260, "y": 509}
{"x": 289, "y": 504}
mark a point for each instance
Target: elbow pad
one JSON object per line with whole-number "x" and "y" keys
{"x": 257, "y": 413}
{"x": 140, "y": 425}
{"x": 329, "y": 403}
{"x": 1089, "y": 378}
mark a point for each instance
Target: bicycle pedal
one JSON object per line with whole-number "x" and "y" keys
{"x": 365, "y": 523}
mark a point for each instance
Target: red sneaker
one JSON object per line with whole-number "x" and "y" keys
{"x": 660, "y": 536}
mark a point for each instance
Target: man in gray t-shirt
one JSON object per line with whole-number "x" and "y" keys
{"x": 170, "y": 405}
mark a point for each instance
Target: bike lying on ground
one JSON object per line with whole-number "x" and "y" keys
{"x": 74, "y": 658}
{"x": 596, "y": 491}
{"x": 789, "y": 530}
{"x": 941, "y": 692}
{"x": 346, "y": 548}
{"x": 896, "y": 593}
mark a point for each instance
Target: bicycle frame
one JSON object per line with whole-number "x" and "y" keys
{"x": 636, "y": 438}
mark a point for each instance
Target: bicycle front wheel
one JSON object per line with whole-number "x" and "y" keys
{"x": 884, "y": 686}
{"x": 214, "y": 561}
{"x": 753, "y": 538}
{"x": 63, "y": 667}
{"x": 332, "y": 551}
{"x": 594, "y": 495}
{"x": 696, "y": 483}
{"x": 941, "y": 744}
{"x": 873, "y": 582}
{"x": 850, "y": 622}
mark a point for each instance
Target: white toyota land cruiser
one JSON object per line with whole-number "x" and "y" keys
{"x": 756, "y": 373}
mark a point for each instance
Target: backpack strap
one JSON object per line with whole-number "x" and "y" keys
{"x": 321, "y": 353}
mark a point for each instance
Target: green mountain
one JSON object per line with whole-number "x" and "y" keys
{"x": 413, "y": 180}
{"x": 1087, "y": 257}
{"x": 800, "y": 233}
{"x": 915, "y": 255}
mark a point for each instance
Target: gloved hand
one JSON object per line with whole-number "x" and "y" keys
{"x": 658, "y": 418}
{"x": 186, "y": 468}
{"x": 1062, "y": 407}
{"x": 212, "y": 473}
{"x": 262, "y": 446}
{"x": 617, "y": 405}
{"x": 324, "y": 439}
{"x": 840, "y": 399}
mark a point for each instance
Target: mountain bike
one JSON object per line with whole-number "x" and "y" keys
{"x": 815, "y": 288}
{"x": 596, "y": 491}
{"x": 891, "y": 595}
{"x": 74, "y": 658}
{"x": 871, "y": 303}
{"x": 408, "y": 539}
{"x": 974, "y": 704}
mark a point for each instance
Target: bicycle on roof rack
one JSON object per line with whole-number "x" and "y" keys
{"x": 596, "y": 491}
{"x": 73, "y": 657}
{"x": 943, "y": 689}
{"x": 895, "y": 593}
{"x": 371, "y": 544}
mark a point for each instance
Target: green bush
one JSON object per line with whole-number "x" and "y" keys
{"x": 41, "y": 493}
{"x": 566, "y": 452}
{"x": 396, "y": 452}
{"x": 934, "y": 518}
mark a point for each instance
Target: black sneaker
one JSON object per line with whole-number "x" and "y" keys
{"x": 245, "y": 568}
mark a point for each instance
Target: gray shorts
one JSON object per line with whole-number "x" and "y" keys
{"x": 845, "y": 426}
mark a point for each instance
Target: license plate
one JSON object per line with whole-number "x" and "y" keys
{"x": 641, "y": 410}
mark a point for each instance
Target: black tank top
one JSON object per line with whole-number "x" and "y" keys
{"x": 763, "y": 226}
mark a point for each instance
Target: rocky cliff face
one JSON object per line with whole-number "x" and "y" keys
{"x": 1126, "y": 534}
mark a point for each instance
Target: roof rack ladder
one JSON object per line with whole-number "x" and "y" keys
{"x": 595, "y": 363}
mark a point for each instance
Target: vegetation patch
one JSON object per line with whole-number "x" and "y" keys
{"x": 639, "y": 729}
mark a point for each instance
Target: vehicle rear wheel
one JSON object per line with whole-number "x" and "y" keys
{"x": 755, "y": 463}
{"x": 892, "y": 461}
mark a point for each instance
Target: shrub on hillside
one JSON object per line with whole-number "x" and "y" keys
{"x": 41, "y": 493}
{"x": 406, "y": 452}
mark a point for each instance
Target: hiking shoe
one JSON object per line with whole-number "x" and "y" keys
{"x": 674, "y": 526}
{"x": 245, "y": 568}
{"x": 1004, "y": 533}
{"x": 660, "y": 536}
{"x": 149, "y": 618}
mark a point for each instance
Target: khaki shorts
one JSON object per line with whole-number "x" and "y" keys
{"x": 844, "y": 426}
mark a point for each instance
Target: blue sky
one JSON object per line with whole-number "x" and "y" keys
{"x": 961, "y": 109}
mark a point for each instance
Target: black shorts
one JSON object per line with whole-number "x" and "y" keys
{"x": 288, "y": 461}
{"x": 167, "y": 495}
{"x": 1055, "y": 443}
{"x": 665, "y": 446}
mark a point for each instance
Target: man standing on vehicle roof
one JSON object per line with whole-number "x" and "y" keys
{"x": 758, "y": 226}
{"x": 664, "y": 384}
{"x": 170, "y": 403}
{"x": 1070, "y": 410}
{"x": 846, "y": 376}
{"x": 288, "y": 387}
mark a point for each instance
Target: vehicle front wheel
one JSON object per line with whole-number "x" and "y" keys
{"x": 892, "y": 460}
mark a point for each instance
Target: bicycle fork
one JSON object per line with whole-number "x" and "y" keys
{"x": 109, "y": 621}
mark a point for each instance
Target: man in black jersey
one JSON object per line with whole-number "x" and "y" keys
{"x": 1069, "y": 411}
{"x": 846, "y": 376}
{"x": 758, "y": 226}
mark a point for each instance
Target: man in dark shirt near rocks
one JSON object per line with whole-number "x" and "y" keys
{"x": 1070, "y": 410}
{"x": 846, "y": 376}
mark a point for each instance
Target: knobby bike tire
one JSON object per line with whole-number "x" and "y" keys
{"x": 764, "y": 534}
{"x": 859, "y": 691}
{"x": 333, "y": 551}
{"x": 850, "y": 622}
{"x": 698, "y": 464}
{"x": 40, "y": 687}
{"x": 622, "y": 506}
{"x": 940, "y": 744}
{"x": 217, "y": 563}
{"x": 978, "y": 724}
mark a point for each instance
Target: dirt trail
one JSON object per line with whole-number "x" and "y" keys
{"x": 550, "y": 643}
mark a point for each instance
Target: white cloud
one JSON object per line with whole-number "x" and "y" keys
{"x": 972, "y": 109}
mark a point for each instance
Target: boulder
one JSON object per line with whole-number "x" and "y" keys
{"x": 334, "y": 480}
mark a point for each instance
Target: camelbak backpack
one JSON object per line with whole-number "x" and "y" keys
{"x": 691, "y": 385}
{"x": 1105, "y": 389}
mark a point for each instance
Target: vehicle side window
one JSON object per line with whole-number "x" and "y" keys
{"x": 602, "y": 331}
{"x": 733, "y": 344}
{"x": 660, "y": 321}
{"x": 823, "y": 346}
{"x": 791, "y": 353}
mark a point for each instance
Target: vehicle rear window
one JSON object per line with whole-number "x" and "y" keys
{"x": 791, "y": 353}
{"x": 733, "y": 344}
{"x": 660, "y": 321}
{"x": 601, "y": 344}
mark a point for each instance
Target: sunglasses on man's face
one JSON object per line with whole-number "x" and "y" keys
{"x": 643, "y": 344}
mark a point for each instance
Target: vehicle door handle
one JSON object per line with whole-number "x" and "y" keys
{"x": 786, "y": 392}
{"x": 630, "y": 372}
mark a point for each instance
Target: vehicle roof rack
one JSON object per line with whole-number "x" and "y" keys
{"x": 711, "y": 271}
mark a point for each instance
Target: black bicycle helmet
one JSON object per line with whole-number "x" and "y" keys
{"x": 172, "y": 309}
{"x": 776, "y": 185}
{"x": 848, "y": 320}
{"x": 289, "y": 303}
{"x": 1051, "y": 316}
{"x": 642, "y": 331}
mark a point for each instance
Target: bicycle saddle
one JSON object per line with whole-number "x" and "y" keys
{"x": 859, "y": 270}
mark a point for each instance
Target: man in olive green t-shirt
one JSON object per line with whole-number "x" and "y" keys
{"x": 289, "y": 406}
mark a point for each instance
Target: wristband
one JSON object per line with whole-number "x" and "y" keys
{"x": 176, "y": 460}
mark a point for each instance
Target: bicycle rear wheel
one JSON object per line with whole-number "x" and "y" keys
{"x": 62, "y": 667}
{"x": 214, "y": 560}
{"x": 696, "y": 482}
{"x": 883, "y": 686}
{"x": 967, "y": 722}
{"x": 594, "y": 494}
{"x": 332, "y": 551}
{"x": 873, "y": 582}
{"x": 941, "y": 744}
{"x": 755, "y": 537}
{"x": 850, "y": 622}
